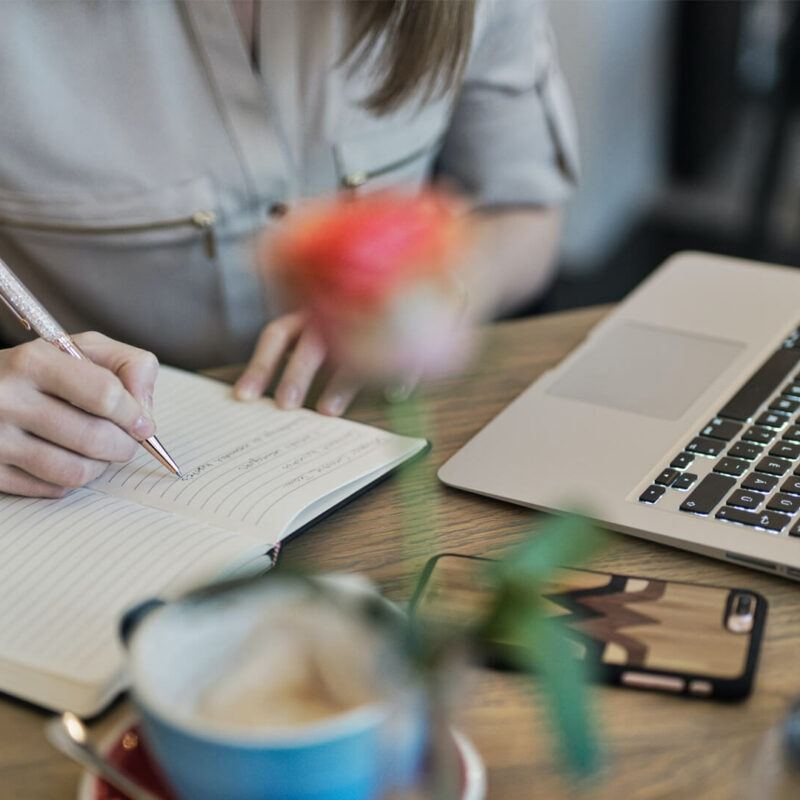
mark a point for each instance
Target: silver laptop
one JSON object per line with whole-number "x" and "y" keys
{"x": 677, "y": 419}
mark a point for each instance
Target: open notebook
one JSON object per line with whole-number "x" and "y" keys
{"x": 253, "y": 475}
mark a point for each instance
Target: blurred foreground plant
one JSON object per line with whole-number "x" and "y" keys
{"x": 377, "y": 278}
{"x": 515, "y": 611}
{"x": 518, "y": 614}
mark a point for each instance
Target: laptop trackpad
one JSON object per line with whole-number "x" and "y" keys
{"x": 647, "y": 370}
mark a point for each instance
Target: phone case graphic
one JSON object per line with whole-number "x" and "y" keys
{"x": 642, "y": 632}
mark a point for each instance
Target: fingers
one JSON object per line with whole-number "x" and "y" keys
{"x": 62, "y": 420}
{"x": 15, "y": 481}
{"x": 85, "y": 434}
{"x": 45, "y": 461}
{"x": 338, "y": 394}
{"x": 290, "y": 334}
{"x": 88, "y": 386}
{"x": 273, "y": 344}
{"x": 307, "y": 357}
{"x": 137, "y": 369}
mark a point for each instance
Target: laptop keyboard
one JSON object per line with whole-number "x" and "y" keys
{"x": 743, "y": 466}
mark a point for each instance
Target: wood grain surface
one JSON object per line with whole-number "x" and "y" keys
{"x": 656, "y": 746}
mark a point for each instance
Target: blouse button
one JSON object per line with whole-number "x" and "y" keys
{"x": 354, "y": 180}
{"x": 278, "y": 210}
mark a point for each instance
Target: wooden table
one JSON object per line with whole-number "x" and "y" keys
{"x": 657, "y": 746}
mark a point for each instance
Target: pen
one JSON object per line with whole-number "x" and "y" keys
{"x": 32, "y": 316}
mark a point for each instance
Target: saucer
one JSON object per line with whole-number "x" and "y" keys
{"x": 123, "y": 747}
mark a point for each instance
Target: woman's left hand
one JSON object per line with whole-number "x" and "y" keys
{"x": 289, "y": 338}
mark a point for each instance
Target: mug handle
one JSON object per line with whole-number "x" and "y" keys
{"x": 133, "y": 616}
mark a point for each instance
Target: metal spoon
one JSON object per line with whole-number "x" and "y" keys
{"x": 69, "y": 735}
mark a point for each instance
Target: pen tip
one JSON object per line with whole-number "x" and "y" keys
{"x": 156, "y": 449}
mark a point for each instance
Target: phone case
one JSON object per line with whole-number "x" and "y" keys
{"x": 683, "y": 638}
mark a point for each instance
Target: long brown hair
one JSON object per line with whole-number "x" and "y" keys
{"x": 424, "y": 43}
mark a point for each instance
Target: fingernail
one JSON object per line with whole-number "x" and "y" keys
{"x": 245, "y": 391}
{"x": 399, "y": 392}
{"x": 334, "y": 405}
{"x": 290, "y": 397}
{"x": 143, "y": 428}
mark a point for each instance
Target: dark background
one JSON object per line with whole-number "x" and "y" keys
{"x": 723, "y": 103}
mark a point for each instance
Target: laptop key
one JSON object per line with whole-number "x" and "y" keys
{"x": 667, "y": 476}
{"x": 684, "y": 481}
{"x": 761, "y": 384}
{"x": 732, "y": 466}
{"x": 705, "y": 446}
{"x": 682, "y": 460}
{"x": 758, "y": 435}
{"x": 651, "y": 494}
{"x": 772, "y": 419}
{"x": 759, "y": 483}
{"x": 792, "y": 390}
{"x": 708, "y": 493}
{"x": 795, "y": 529}
{"x": 792, "y": 434}
{"x": 792, "y": 340}
{"x": 745, "y": 450}
{"x": 784, "y": 502}
{"x": 791, "y": 485}
{"x": 785, "y": 450}
{"x": 785, "y": 405}
{"x": 742, "y": 499}
{"x": 774, "y": 466}
{"x": 758, "y": 519}
{"x": 724, "y": 429}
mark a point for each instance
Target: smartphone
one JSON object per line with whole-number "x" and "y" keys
{"x": 669, "y": 636}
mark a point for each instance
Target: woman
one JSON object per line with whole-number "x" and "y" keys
{"x": 144, "y": 143}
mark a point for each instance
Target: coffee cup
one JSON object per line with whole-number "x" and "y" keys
{"x": 280, "y": 689}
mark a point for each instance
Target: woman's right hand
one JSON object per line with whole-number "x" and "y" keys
{"x": 62, "y": 420}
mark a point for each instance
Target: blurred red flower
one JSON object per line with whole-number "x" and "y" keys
{"x": 358, "y": 251}
{"x": 375, "y": 273}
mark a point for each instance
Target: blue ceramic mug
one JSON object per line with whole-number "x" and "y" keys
{"x": 173, "y": 648}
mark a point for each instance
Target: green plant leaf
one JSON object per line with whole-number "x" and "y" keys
{"x": 519, "y": 614}
{"x": 563, "y": 679}
{"x": 560, "y": 541}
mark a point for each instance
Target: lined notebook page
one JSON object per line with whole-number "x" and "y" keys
{"x": 250, "y": 466}
{"x": 69, "y": 568}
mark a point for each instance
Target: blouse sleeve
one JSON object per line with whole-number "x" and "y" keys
{"x": 512, "y": 138}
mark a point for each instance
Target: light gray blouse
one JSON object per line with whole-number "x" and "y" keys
{"x": 140, "y": 151}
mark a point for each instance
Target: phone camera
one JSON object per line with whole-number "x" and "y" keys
{"x": 744, "y": 603}
{"x": 740, "y": 618}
